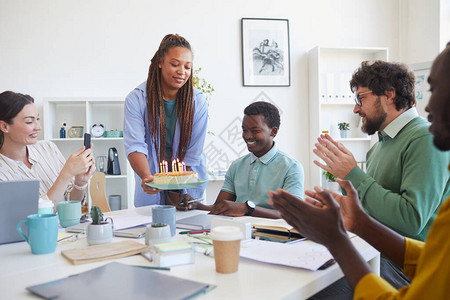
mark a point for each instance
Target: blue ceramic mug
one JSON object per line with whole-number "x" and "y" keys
{"x": 42, "y": 232}
{"x": 165, "y": 214}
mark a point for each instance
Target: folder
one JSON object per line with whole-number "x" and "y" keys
{"x": 120, "y": 281}
{"x": 198, "y": 222}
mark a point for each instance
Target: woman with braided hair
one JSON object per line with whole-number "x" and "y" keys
{"x": 166, "y": 118}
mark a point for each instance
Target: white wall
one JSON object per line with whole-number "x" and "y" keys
{"x": 419, "y": 30}
{"x": 102, "y": 48}
{"x": 444, "y": 23}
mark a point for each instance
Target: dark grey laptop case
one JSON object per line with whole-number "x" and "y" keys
{"x": 18, "y": 199}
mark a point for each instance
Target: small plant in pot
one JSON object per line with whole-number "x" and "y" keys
{"x": 330, "y": 182}
{"x": 344, "y": 129}
{"x": 100, "y": 231}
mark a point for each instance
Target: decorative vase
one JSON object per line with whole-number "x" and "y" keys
{"x": 344, "y": 134}
{"x": 99, "y": 234}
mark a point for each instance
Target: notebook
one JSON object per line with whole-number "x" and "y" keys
{"x": 18, "y": 200}
{"x": 136, "y": 232}
{"x": 120, "y": 281}
{"x": 198, "y": 222}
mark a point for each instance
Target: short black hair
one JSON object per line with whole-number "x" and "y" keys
{"x": 381, "y": 76}
{"x": 268, "y": 110}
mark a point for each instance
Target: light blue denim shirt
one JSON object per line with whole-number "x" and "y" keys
{"x": 137, "y": 139}
{"x": 250, "y": 177}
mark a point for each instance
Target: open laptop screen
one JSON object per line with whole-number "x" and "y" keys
{"x": 18, "y": 199}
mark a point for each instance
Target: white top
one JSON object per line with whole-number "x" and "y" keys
{"x": 46, "y": 164}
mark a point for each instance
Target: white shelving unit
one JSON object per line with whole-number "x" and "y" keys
{"x": 331, "y": 100}
{"x": 86, "y": 112}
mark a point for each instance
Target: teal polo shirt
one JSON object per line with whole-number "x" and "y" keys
{"x": 250, "y": 177}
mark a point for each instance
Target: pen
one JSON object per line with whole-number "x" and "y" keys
{"x": 194, "y": 232}
{"x": 198, "y": 231}
{"x": 155, "y": 268}
{"x": 195, "y": 200}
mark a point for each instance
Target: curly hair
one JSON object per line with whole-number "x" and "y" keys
{"x": 380, "y": 76}
{"x": 11, "y": 104}
{"x": 268, "y": 110}
{"x": 155, "y": 103}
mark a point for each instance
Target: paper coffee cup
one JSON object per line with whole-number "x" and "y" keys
{"x": 45, "y": 206}
{"x": 227, "y": 243}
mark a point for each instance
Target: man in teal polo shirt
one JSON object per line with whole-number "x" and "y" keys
{"x": 265, "y": 168}
{"x": 407, "y": 178}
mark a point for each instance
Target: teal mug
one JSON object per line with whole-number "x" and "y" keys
{"x": 42, "y": 232}
{"x": 69, "y": 213}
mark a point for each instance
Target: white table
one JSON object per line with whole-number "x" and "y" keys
{"x": 254, "y": 280}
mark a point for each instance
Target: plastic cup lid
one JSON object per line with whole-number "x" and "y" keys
{"x": 45, "y": 203}
{"x": 226, "y": 233}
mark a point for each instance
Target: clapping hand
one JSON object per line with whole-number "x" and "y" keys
{"x": 339, "y": 160}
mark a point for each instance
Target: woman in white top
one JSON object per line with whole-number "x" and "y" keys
{"x": 23, "y": 157}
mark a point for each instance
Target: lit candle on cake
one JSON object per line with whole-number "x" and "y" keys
{"x": 179, "y": 166}
{"x": 184, "y": 166}
{"x": 173, "y": 166}
{"x": 166, "y": 167}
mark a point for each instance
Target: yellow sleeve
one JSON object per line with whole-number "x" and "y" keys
{"x": 430, "y": 260}
{"x": 372, "y": 286}
{"x": 413, "y": 248}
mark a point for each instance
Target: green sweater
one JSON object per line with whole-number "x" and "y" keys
{"x": 406, "y": 182}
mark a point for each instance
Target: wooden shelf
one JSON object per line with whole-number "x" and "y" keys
{"x": 363, "y": 139}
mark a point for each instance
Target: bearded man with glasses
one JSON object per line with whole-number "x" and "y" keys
{"x": 407, "y": 178}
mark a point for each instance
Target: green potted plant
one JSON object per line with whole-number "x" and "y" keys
{"x": 329, "y": 181}
{"x": 344, "y": 129}
{"x": 201, "y": 84}
{"x": 100, "y": 231}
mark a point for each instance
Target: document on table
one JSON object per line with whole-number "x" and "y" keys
{"x": 304, "y": 254}
{"x": 125, "y": 221}
{"x": 119, "y": 222}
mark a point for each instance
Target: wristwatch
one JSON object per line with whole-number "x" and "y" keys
{"x": 250, "y": 207}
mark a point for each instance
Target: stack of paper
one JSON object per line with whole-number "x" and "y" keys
{"x": 173, "y": 254}
{"x": 304, "y": 254}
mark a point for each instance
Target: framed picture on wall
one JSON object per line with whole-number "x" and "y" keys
{"x": 265, "y": 52}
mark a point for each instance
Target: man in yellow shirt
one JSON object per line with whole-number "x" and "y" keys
{"x": 325, "y": 220}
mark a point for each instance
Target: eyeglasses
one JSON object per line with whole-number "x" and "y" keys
{"x": 358, "y": 97}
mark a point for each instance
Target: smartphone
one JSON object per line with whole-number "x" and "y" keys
{"x": 87, "y": 140}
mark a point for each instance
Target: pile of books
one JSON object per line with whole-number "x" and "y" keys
{"x": 275, "y": 231}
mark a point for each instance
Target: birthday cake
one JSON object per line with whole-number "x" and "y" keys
{"x": 175, "y": 177}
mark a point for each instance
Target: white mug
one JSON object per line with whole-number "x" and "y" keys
{"x": 158, "y": 234}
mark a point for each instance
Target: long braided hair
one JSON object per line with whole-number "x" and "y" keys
{"x": 155, "y": 103}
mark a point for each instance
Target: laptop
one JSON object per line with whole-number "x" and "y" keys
{"x": 18, "y": 199}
